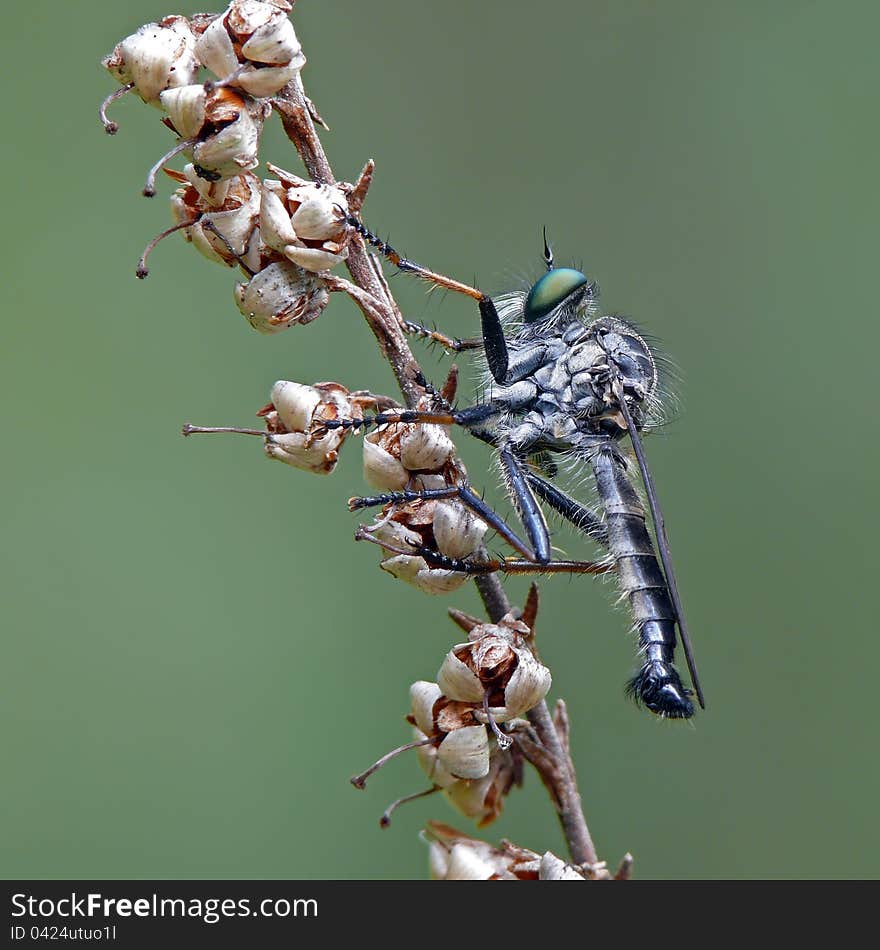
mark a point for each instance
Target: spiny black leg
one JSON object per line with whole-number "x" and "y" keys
{"x": 527, "y": 506}
{"x": 573, "y": 511}
{"x": 493, "y": 333}
{"x": 468, "y": 498}
{"x": 470, "y": 415}
{"x": 400, "y": 497}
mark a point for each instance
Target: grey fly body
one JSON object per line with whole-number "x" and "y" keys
{"x": 566, "y": 383}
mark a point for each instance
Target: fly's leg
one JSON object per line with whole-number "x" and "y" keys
{"x": 450, "y": 343}
{"x": 583, "y": 518}
{"x": 467, "y": 417}
{"x": 493, "y": 341}
{"x": 464, "y": 494}
{"x": 489, "y": 565}
{"x": 526, "y": 505}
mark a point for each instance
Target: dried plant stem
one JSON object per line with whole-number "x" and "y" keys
{"x": 385, "y": 320}
{"x": 550, "y": 754}
{"x": 551, "y": 758}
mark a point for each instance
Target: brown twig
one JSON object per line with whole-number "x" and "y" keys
{"x": 384, "y": 318}
{"x": 369, "y": 289}
{"x": 551, "y": 758}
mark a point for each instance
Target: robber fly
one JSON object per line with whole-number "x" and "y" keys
{"x": 565, "y": 382}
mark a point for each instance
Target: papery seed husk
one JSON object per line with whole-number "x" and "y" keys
{"x": 274, "y": 43}
{"x": 415, "y": 571}
{"x": 381, "y": 469}
{"x": 279, "y": 295}
{"x": 431, "y": 764}
{"x": 425, "y": 447}
{"x": 294, "y": 449}
{"x": 187, "y": 108}
{"x": 159, "y": 56}
{"x": 275, "y": 225}
{"x": 553, "y": 868}
{"x": 469, "y": 798}
{"x": 267, "y": 81}
{"x": 313, "y": 258}
{"x": 231, "y": 150}
{"x": 215, "y": 193}
{"x": 457, "y": 531}
{"x": 438, "y": 861}
{"x": 422, "y": 697}
{"x": 317, "y": 217}
{"x": 215, "y": 50}
{"x": 529, "y": 684}
{"x": 457, "y": 681}
{"x": 295, "y": 404}
{"x": 467, "y": 864}
{"x": 393, "y": 532}
{"x": 245, "y": 16}
{"x": 465, "y": 752}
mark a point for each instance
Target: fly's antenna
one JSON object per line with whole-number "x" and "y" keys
{"x": 548, "y": 251}
{"x": 662, "y": 540}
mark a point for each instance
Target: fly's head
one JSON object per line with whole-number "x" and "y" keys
{"x": 557, "y": 297}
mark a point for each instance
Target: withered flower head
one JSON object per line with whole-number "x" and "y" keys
{"x": 447, "y": 526}
{"x": 281, "y": 295}
{"x": 497, "y": 660}
{"x": 293, "y": 416}
{"x": 225, "y": 214}
{"x": 455, "y": 856}
{"x": 395, "y": 452}
{"x": 223, "y": 126}
{"x": 157, "y": 57}
{"x": 304, "y": 220}
{"x": 483, "y": 798}
{"x": 252, "y": 45}
{"x": 461, "y": 749}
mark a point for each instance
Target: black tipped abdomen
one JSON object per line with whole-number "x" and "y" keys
{"x": 657, "y": 685}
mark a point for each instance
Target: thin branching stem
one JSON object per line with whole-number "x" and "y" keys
{"x": 372, "y": 295}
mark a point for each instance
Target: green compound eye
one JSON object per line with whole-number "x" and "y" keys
{"x": 550, "y": 291}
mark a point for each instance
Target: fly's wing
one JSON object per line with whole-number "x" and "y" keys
{"x": 662, "y": 540}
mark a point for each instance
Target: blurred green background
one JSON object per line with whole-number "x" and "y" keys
{"x": 197, "y": 655}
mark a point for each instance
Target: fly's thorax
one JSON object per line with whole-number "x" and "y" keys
{"x": 630, "y": 355}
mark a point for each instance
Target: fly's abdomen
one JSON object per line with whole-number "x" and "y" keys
{"x": 657, "y": 684}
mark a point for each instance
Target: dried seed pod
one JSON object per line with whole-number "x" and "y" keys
{"x": 252, "y": 45}
{"x": 223, "y": 126}
{"x": 281, "y": 295}
{"x": 304, "y": 220}
{"x": 226, "y": 214}
{"x": 393, "y": 536}
{"x": 496, "y": 661}
{"x": 461, "y": 746}
{"x": 464, "y": 752}
{"x": 457, "y": 530}
{"x": 382, "y": 469}
{"x": 159, "y": 56}
{"x": 425, "y": 447}
{"x": 423, "y": 697}
{"x": 292, "y": 417}
{"x": 555, "y": 869}
{"x": 455, "y": 856}
{"x": 482, "y": 798}
{"x": 446, "y": 526}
